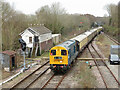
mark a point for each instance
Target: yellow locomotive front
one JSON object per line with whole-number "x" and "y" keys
{"x": 58, "y": 58}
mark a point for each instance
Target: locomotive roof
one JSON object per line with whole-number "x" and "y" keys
{"x": 67, "y": 44}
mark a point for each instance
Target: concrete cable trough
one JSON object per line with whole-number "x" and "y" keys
{"x": 21, "y": 71}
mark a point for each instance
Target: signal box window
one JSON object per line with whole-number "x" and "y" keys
{"x": 63, "y": 52}
{"x": 30, "y": 39}
{"x": 53, "y": 52}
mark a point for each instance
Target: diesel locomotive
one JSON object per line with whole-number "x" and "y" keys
{"x": 63, "y": 55}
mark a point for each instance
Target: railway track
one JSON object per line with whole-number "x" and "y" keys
{"x": 115, "y": 41}
{"x": 54, "y": 81}
{"x": 57, "y": 78}
{"x": 100, "y": 69}
{"x": 93, "y": 56}
{"x": 105, "y": 64}
{"x": 30, "y": 79}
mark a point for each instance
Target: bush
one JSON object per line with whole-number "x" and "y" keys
{"x": 42, "y": 52}
{"x": 112, "y": 31}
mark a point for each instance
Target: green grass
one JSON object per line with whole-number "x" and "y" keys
{"x": 112, "y": 31}
{"x": 104, "y": 40}
{"x": 45, "y": 54}
{"x": 104, "y": 44}
{"x": 84, "y": 76}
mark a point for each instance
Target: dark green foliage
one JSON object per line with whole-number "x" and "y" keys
{"x": 42, "y": 52}
{"x": 54, "y": 44}
{"x": 113, "y": 28}
{"x": 112, "y": 31}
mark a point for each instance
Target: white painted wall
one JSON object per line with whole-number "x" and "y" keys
{"x": 25, "y": 37}
{"x": 42, "y": 38}
{"x": 45, "y": 37}
{"x": 56, "y": 38}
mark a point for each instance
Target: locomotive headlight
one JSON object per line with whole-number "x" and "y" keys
{"x": 60, "y": 61}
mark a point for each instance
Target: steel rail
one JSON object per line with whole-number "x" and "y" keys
{"x": 105, "y": 64}
{"x": 47, "y": 81}
{"x": 112, "y": 39}
{"x": 60, "y": 82}
{"x": 98, "y": 67}
{"x": 67, "y": 71}
{"x": 62, "y": 77}
{"x": 28, "y": 76}
{"x": 37, "y": 78}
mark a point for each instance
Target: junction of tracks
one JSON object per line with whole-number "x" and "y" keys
{"x": 100, "y": 75}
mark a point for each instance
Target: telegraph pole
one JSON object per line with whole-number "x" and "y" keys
{"x": 24, "y": 60}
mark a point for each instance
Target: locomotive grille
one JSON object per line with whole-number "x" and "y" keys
{"x": 57, "y": 57}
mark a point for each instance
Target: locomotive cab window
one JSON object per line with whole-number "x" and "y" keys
{"x": 63, "y": 52}
{"x": 53, "y": 52}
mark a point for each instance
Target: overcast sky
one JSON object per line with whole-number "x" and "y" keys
{"x": 94, "y": 7}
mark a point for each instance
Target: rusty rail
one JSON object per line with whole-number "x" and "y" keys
{"x": 47, "y": 81}
{"x": 52, "y": 78}
{"x": 60, "y": 82}
{"x": 98, "y": 67}
{"x": 105, "y": 64}
{"x": 22, "y": 80}
{"x": 37, "y": 77}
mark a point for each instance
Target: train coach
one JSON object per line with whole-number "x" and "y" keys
{"x": 63, "y": 55}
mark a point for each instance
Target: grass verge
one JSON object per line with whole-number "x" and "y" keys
{"x": 84, "y": 76}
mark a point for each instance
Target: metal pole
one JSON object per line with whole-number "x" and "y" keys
{"x": 24, "y": 59}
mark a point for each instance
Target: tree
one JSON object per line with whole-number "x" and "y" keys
{"x": 0, "y": 26}
{"x": 43, "y": 14}
{"x": 112, "y": 10}
{"x": 50, "y": 16}
{"x": 13, "y": 23}
{"x": 119, "y": 14}
{"x": 7, "y": 11}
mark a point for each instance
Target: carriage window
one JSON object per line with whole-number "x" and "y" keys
{"x": 63, "y": 52}
{"x": 53, "y": 52}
